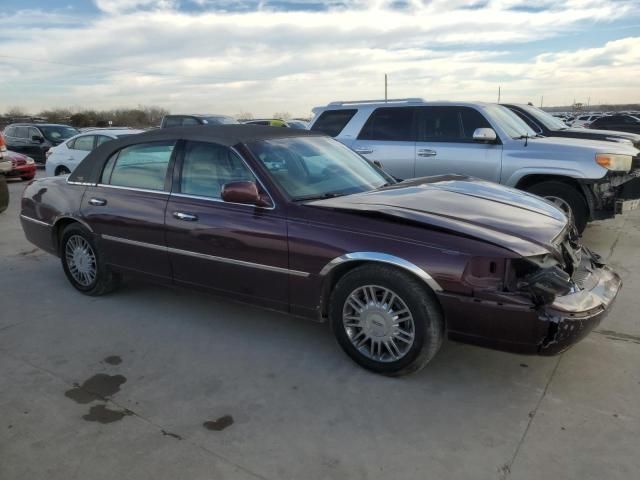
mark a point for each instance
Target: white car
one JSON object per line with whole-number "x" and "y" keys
{"x": 64, "y": 158}
{"x": 582, "y": 120}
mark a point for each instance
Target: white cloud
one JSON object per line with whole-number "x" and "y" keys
{"x": 263, "y": 61}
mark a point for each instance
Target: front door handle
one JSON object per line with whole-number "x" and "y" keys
{"x": 98, "y": 202}
{"x": 425, "y": 152}
{"x": 187, "y": 217}
{"x": 364, "y": 150}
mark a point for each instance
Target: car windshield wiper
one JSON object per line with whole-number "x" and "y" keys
{"x": 319, "y": 196}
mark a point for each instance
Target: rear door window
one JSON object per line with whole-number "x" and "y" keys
{"x": 84, "y": 143}
{"x": 189, "y": 121}
{"x": 172, "y": 121}
{"x": 390, "y": 124}
{"x": 141, "y": 166}
{"x": 332, "y": 122}
{"x": 449, "y": 124}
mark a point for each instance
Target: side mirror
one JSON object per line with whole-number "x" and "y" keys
{"x": 486, "y": 135}
{"x": 37, "y": 138}
{"x": 243, "y": 192}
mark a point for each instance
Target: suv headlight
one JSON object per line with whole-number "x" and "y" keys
{"x": 613, "y": 161}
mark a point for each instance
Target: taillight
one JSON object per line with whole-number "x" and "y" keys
{"x": 3, "y": 145}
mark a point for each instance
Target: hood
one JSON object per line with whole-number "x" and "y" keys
{"x": 509, "y": 218}
{"x": 9, "y": 155}
{"x": 585, "y": 144}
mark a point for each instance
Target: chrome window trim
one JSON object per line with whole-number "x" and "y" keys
{"x": 39, "y": 222}
{"x": 84, "y": 184}
{"x": 132, "y": 189}
{"x": 382, "y": 258}
{"x": 217, "y": 200}
{"x": 204, "y": 256}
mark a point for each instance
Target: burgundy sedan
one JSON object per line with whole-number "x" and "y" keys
{"x": 21, "y": 166}
{"x": 295, "y": 221}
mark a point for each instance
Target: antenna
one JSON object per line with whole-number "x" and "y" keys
{"x": 498, "y": 93}
{"x": 385, "y": 87}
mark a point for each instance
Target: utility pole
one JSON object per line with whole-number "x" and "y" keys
{"x": 498, "y": 93}
{"x": 541, "y": 100}
{"x": 385, "y": 87}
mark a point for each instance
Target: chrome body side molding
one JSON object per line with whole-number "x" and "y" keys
{"x": 382, "y": 258}
{"x": 204, "y": 256}
{"x": 33, "y": 220}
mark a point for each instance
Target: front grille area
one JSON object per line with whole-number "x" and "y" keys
{"x": 18, "y": 163}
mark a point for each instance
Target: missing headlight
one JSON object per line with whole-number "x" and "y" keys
{"x": 545, "y": 284}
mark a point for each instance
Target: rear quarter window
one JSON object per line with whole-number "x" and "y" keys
{"x": 332, "y": 122}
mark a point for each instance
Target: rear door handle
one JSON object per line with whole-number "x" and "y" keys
{"x": 187, "y": 217}
{"x": 364, "y": 150}
{"x": 425, "y": 152}
{"x": 98, "y": 202}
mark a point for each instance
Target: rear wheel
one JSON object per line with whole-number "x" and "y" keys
{"x": 386, "y": 320}
{"x": 83, "y": 264}
{"x": 566, "y": 198}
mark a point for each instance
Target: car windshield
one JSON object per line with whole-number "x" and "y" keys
{"x": 549, "y": 121}
{"x": 316, "y": 167}
{"x": 220, "y": 120}
{"x": 512, "y": 124}
{"x": 58, "y": 133}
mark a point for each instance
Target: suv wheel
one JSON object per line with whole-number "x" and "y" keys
{"x": 62, "y": 170}
{"x": 566, "y": 198}
{"x": 386, "y": 320}
{"x": 83, "y": 264}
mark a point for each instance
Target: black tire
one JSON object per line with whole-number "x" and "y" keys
{"x": 419, "y": 299}
{"x": 569, "y": 194}
{"x": 105, "y": 280}
{"x": 62, "y": 170}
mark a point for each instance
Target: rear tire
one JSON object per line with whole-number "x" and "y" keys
{"x": 386, "y": 320}
{"x": 83, "y": 263}
{"x": 565, "y": 197}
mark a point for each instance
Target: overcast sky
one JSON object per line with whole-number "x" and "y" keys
{"x": 266, "y": 56}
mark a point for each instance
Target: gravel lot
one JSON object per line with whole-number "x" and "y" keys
{"x": 201, "y": 388}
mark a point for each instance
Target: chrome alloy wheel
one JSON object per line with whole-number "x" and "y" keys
{"x": 378, "y": 323}
{"x": 81, "y": 260}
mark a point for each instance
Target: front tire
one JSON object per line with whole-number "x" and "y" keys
{"x": 62, "y": 170}
{"x": 386, "y": 320}
{"x": 566, "y": 198}
{"x": 83, "y": 263}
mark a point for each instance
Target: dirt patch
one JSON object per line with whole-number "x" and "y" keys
{"x": 219, "y": 424}
{"x": 103, "y": 414}
{"x": 113, "y": 360}
{"x": 99, "y": 387}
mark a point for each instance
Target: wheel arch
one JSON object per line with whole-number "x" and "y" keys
{"x": 527, "y": 181}
{"x": 333, "y": 271}
{"x": 60, "y": 224}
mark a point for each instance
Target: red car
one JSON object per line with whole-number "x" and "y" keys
{"x": 21, "y": 166}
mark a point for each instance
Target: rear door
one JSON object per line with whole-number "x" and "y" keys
{"x": 232, "y": 248}
{"x": 389, "y": 137}
{"x": 126, "y": 209}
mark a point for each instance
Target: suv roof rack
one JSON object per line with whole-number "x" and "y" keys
{"x": 390, "y": 100}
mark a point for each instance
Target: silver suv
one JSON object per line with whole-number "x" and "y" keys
{"x": 587, "y": 179}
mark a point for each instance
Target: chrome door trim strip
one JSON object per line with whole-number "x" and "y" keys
{"x": 84, "y": 184}
{"x": 382, "y": 258}
{"x": 133, "y": 189}
{"x": 217, "y": 200}
{"x": 204, "y": 256}
{"x": 39, "y": 222}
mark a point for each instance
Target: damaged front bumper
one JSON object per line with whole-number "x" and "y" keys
{"x": 571, "y": 317}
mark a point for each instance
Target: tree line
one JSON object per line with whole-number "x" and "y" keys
{"x": 140, "y": 117}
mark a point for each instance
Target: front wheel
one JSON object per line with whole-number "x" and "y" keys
{"x": 386, "y": 320}
{"x": 567, "y": 199}
{"x": 83, "y": 264}
{"x": 62, "y": 170}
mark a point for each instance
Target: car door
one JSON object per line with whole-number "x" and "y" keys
{"x": 18, "y": 139}
{"x": 126, "y": 209}
{"x": 233, "y": 248}
{"x": 389, "y": 137}
{"x": 445, "y": 144}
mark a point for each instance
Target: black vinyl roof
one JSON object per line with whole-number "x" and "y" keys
{"x": 90, "y": 168}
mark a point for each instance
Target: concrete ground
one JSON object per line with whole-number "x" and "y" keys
{"x": 201, "y": 388}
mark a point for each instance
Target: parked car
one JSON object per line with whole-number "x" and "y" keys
{"x": 296, "y": 123}
{"x": 21, "y": 166}
{"x": 267, "y": 122}
{"x": 64, "y": 158}
{"x": 622, "y": 123}
{"x": 588, "y": 179}
{"x": 295, "y": 221}
{"x": 582, "y": 120}
{"x": 35, "y": 139}
{"x": 196, "y": 119}
{"x": 544, "y": 124}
